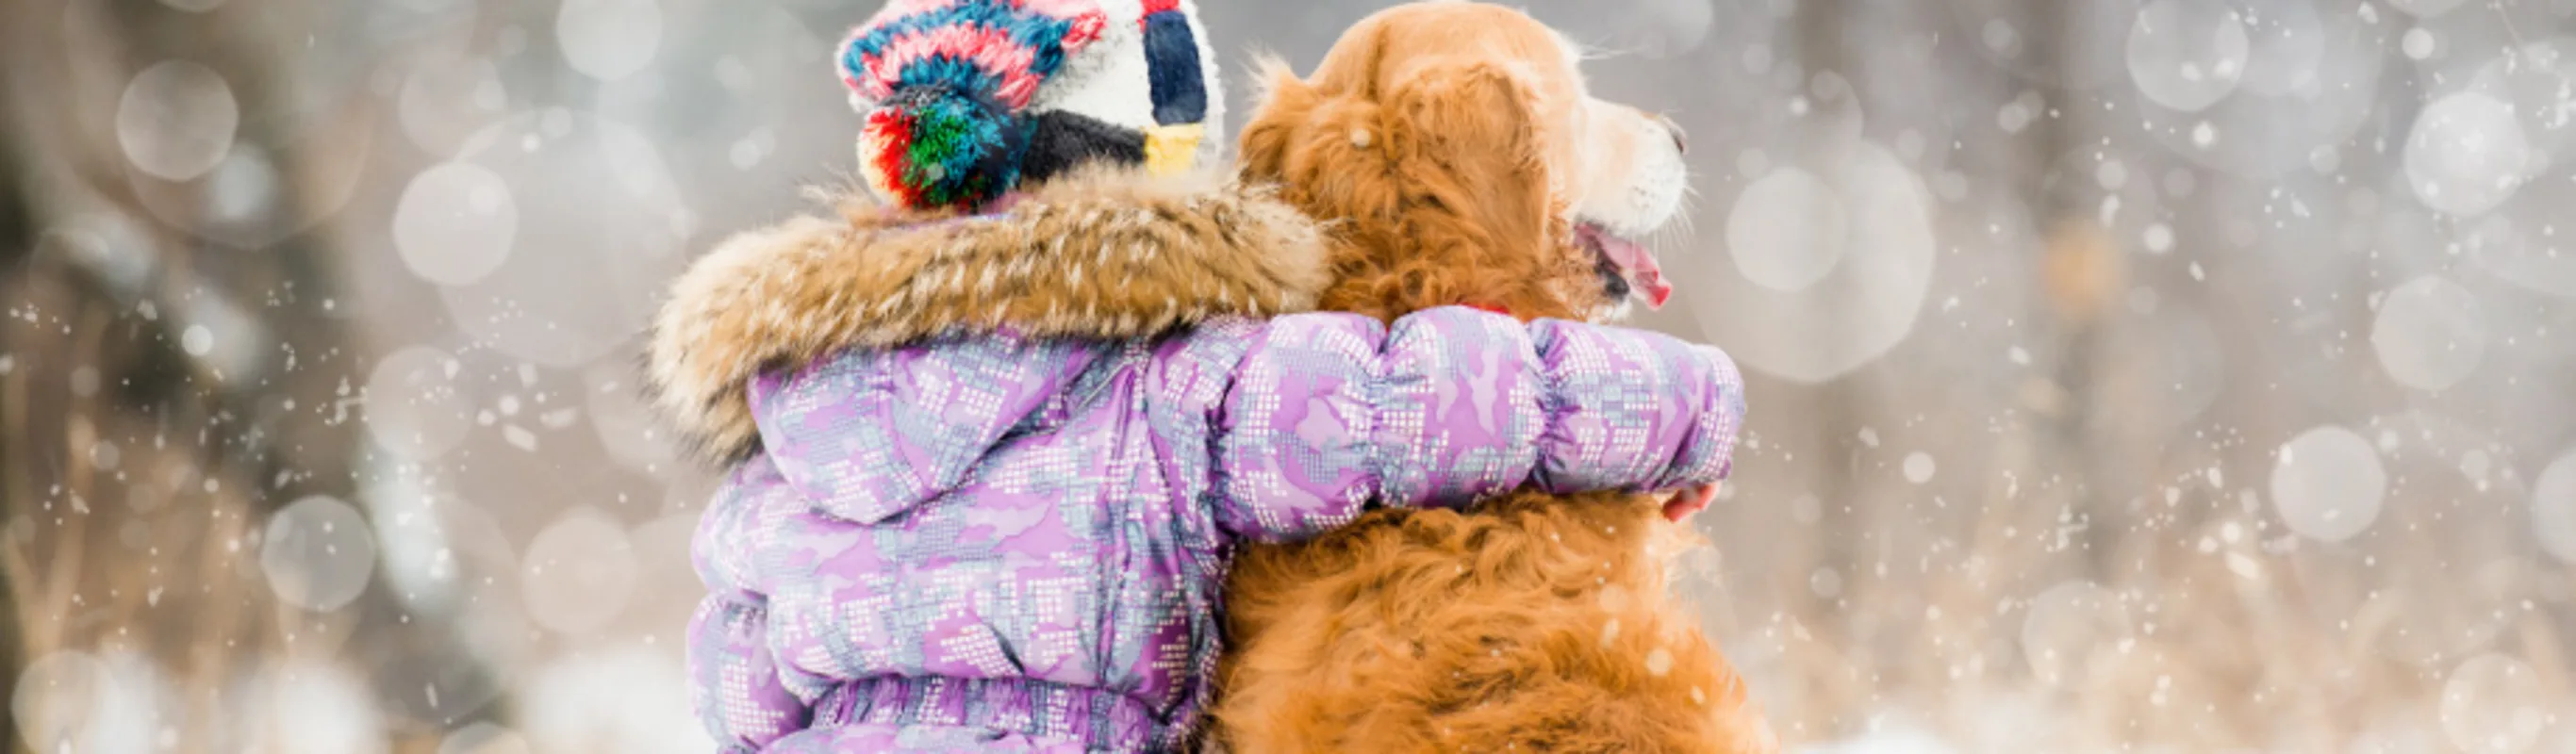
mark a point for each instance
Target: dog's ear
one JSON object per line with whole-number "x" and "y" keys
{"x": 1439, "y": 194}
{"x": 1473, "y": 148}
{"x": 1479, "y": 124}
{"x": 1319, "y": 148}
{"x": 1279, "y": 116}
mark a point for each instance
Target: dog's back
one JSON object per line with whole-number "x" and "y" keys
{"x": 1535, "y": 622}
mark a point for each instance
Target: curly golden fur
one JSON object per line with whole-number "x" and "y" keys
{"x": 1440, "y": 186}
{"x": 1536, "y": 623}
{"x": 1428, "y": 140}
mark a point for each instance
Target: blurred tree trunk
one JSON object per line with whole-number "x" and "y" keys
{"x": 1821, "y": 46}
{"x": 17, "y": 235}
{"x": 2081, "y": 277}
{"x": 142, "y": 456}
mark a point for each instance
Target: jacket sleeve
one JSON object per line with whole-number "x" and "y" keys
{"x": 1329, "y": 412}
{"x": 734, "y": 680}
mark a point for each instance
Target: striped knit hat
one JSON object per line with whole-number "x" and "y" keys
{"x": 966, "y": 99}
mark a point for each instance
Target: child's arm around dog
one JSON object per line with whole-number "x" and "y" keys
{"x": 1450, "y": 405}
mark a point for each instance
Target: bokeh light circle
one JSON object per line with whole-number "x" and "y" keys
{"x": 1873, "y": 295}
{"x": 318, "y": 554}
{"x": 2430, "y": 334}
{"x": 1788, "y": 230}
{"x": 2288, "y": 44}
{"x": 455, "y": 224}
{"x": 579, "y": 573}
{"x": 2553, "y": 507}
{"x": 2312, "y": 81}
{"x": 2426, "y": 8}
{"x": 197, "y": 340}
{"x": 2417, "y": 43}
{"x": 176, "y": 120}
{"x": 2067, "y": 625}
{"x": 2467, "y": 154}
{"x": 625, "y": 698}
{"x": 306, "y": 707}
{"x": 625, "y": 422}
{"x": 116, "y": 701}
{"x": 415, "y": 408}
{"x": 446, "y": 98}
{"x": 2533, "y": 79}
{"x": 596, "y": 204}
{"x": 2188, "y": 54}
{"x": 609, "y": 39}
{"x": 55, "y": 698}
{"x": 2328, "y": 484}
{"x": 2494, "y": 704}
{"x": 1919, "y": 467}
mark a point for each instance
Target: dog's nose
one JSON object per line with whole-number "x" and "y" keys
{"x": 1681, "y": 139}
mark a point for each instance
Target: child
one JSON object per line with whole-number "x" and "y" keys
{"x": 996, "y": 439}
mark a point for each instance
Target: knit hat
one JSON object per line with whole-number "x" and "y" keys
{"x": 966, "y": 99}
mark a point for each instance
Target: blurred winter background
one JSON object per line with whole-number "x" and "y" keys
{"x": 2186, "y": 375}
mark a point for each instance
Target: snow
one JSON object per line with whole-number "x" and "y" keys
{"x": 198, "y": 340}
{"x": 2418, "y": 43}
{"x": 1918, "y": 467}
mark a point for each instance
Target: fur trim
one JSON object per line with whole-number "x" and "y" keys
{"x": 1100, "y": 254}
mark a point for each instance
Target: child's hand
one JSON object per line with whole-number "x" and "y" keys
{"x": 1688, "y": 502}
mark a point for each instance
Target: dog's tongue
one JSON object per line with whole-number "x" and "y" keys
{"x": 1643, "y": 272}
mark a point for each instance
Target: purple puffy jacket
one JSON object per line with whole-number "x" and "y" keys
{"x": 962, "y": 524}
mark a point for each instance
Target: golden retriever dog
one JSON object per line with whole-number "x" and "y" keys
{"x": 1459, "y": 159}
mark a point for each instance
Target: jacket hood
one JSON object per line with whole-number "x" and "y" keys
{"x": 1105, "y": 254}
{"x": 848, "y": 435}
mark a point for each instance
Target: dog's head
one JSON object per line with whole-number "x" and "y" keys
{"x": 1461, "y": 147}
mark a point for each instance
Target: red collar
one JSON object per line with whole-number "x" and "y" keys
{"x": 1487, "y": 308}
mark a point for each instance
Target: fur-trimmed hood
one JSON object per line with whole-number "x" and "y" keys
{"x": 1107, "y": 254}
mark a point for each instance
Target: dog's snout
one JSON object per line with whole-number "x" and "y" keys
{"x": 1681, "y": 139}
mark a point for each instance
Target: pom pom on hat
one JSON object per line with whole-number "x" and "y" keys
{"x": 965, "y": 99}
{"x": 949, "y": 83}
{"x": 942, "y": 147}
